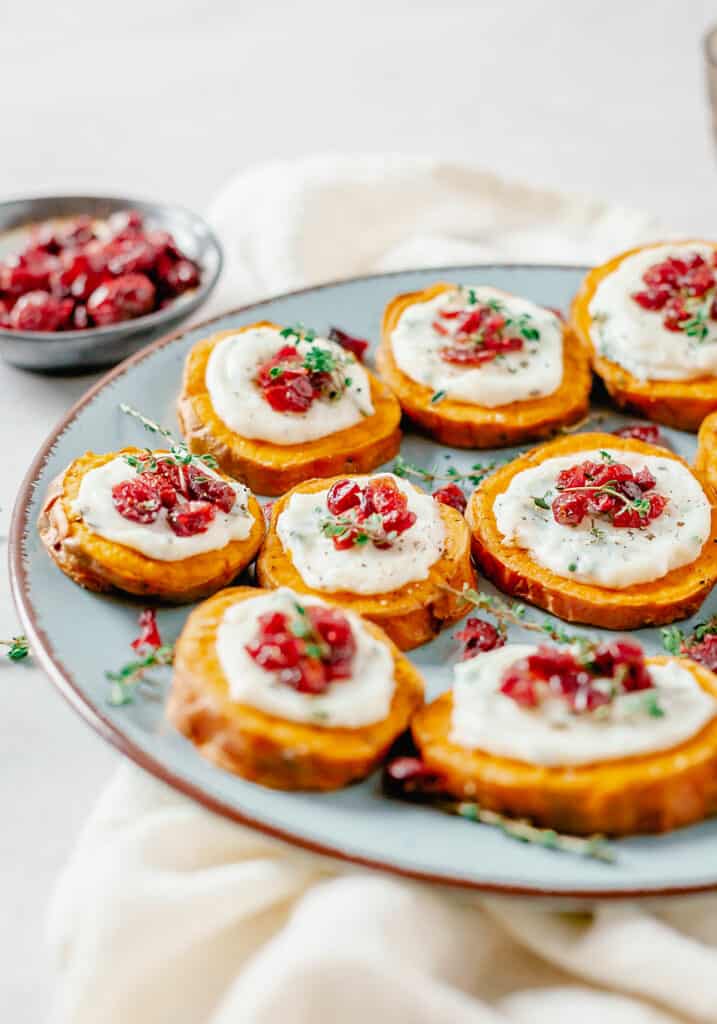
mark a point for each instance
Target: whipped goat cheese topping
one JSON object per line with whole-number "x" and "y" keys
{"x": 485, "y": 719}
{"x": 156, "y": 540}
{"x": 363, "y": 698}
{"x": 239, "y": 402}
{"x": 532, "y": 372}
{"x": 636, "y": 338}
{"x": 363, "y": 569}
{"x": 595, "y": 551}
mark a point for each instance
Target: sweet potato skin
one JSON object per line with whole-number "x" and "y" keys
{"x": 706, "y": 457}
{"x": 464, "y": 425}
{"x": 101, "y": 565}
{"x": 258, "y": 746}
{"x": 273, "y": 469}
{"x": 649, "y": 793}
{"x": 410, "y": 616}
{"x": 677, "y": 595}
{"x": 680, "y": 403}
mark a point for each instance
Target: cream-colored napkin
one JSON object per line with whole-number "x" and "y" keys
{"x": 167, "y": 913}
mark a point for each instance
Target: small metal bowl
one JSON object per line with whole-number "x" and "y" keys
{"x": 104, "y": 346}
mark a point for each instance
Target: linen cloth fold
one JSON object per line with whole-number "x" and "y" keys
{"x": 167, "y": 913}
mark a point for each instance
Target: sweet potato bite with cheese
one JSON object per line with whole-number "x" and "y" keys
{"x": 588, "y": 739}
{"x": 289, "y": 691}
{"x": 278, "y": 406}
{"x": 377, "y": 545}
{"x": 479, "y": 368}
{"x": 649, "y": 319}
{"x": 599, "y": 529}
{"x": 146, "y": 523}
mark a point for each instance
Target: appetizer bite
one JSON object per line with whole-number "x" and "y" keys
{"x": 599, "y": 529}
{"x": 592, "y": 738}
{"x": 376, "y": 544}
{"x": 479, "y": 368}
{"x": 706, "y": 457}
{"x": 276, "y": 406}
{"x": 649, "y": 318}
{"x": 148, "y": 523}
{"x": 289, "y": 691}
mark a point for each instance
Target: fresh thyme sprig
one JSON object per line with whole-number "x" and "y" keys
{"x": 303, "y": 628}
{"x": 369, "y": 529}
{"x": 477, "y": 473}
{"x": 17, "y": 648}
{"x": 514, "y": 613}
{"x": 126, "y": 680}
{"x": 178, "y": 450}
{"x": 594, "y": 847}
{"x": 317, "y": 359}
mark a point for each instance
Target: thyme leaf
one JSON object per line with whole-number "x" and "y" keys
{"x": 17, "y": 648}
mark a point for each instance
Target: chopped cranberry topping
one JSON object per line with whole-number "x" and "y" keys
{"x": 678, "y": 288}
{"x": 452, "y": 495}
{"x": 308, "y": 652}
{"x": 91, "y": 274}
{"x": 191, "y": 517}
{"x": 357, "y": 346}
{"x": 704, "y": 651}
{"x": 479, "y": 334}
{"x": 477, "y": 636}
{"x": 292, "y": 380}
{"x": 148, "y": 631}
{"x": 190, "y": 497}
{"x": 552, "y": 673}
{"x": 377, "y": 512}
{"x": 609, "y": 489}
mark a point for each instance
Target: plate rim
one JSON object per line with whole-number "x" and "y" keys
{"x": 62, "y": 678}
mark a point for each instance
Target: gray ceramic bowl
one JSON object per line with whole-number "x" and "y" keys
{"x": 103, "y": 346}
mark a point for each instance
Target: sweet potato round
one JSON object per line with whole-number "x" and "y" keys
{"x": 465, "y": 425}
{"x": 100, "y": 564}
{"x": 675, "y": 596}
{"x": 261, "y": 747}
{"x": 649, "y": 793}
{"x": 676, "y": 403}
{"x": 410, "y": 616}
{"x": 272, "y": 469}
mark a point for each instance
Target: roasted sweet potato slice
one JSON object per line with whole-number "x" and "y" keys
{"x": 676, "y": 403}
{"x": 261, "y": 747}
{"x": 101, "y": 565}
{"x": 270, "y": 468}
{"x": 675, "y": 596}
{"x": 465, "y": 425}
{"x": 410, "y": 616}
{"x": 648, "y": 793}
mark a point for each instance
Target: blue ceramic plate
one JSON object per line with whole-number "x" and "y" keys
{"x": 76, "y": 636}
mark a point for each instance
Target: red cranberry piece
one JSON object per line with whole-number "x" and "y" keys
{"x": 551, "y": 661}
{"x": 478, "y": 635}
{"x": 658, "y": 504}
{"x": 275, "y": 651}
{"x": 653, "y": 299}
{"x": 272, "y": 622}
{"x": 629, "y": 518}
{"x": 648, "y": 432}
{"x": 342, "y": 495}
{"x": 451, "y": 495}
{"x": 164, "y": 244}
{"x": 208, "y": 488}
{"x": 124, "y": 298}
{"x": 129, "y": 256}
{"x": 410, "y": 777}
{"x": 466, "y": 355}
{"x": 644, "y": 479}
{"x": 176, "y": 475}
{"x": 335, "y": 630}
{"x": 125, "y": 223}
{"x": 676, "y": 314}
{"x": 355, "y": 345}
{"x": 601, "y": 503}
{"x": 20, "y": 275}
{"x": 472, "y": 322}
{"x": 80, "y": 319}
{"x": 518, "y": 685}
{"x": 611, "y": 473}
{"x": 162, "y": 487}
{"x": 705, "y": 651}
{"x": 700, "y": 280}
{"x": 569, "y": 509}
{"x": 40, "y": 311}
{"x": 135, "y": 500}
{"x": 347, "y": 539}
{"x": 295, "y": 395}
{"x": 148, "y": 631}
{"x": 75, "y": 276}
{"x": 667, "y": 272}
{"x": 78, "y": 232}
{"x": 310, "y": 676}
{"x": 398, "y": 520}
{"x": 576, "y": 476}
{"x": 286, "y": 354}
{"x": 190, "y": 518}
{"x": 385, "y": 495}
{"x": 181, "y": 276}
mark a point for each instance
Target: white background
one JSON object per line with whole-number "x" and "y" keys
{"x": 167, "y": 100}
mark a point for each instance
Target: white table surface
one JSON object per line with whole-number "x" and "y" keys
{"x": 606, "y": 99}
